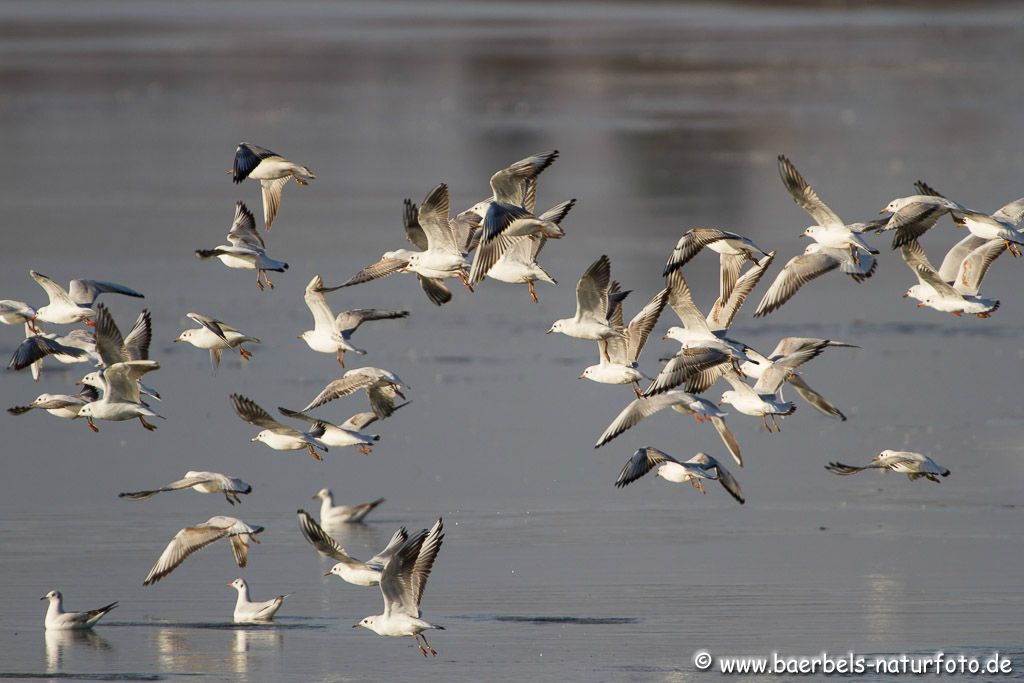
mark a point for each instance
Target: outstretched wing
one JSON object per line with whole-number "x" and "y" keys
{"x": 320, "y": 539}
{"x": 253, "y": 414}
{"x": 184, "y": 543}
{"x": 805, "y": 197}
{"x": 643, "y": 460}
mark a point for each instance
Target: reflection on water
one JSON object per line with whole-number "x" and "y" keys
{"x": 247, "y": 640}
{"x": 58, "y": 643}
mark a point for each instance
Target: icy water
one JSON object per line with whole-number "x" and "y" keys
{"x": 118, "y": 122}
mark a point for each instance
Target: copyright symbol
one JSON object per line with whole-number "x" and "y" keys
{"x": 703, "y": 660}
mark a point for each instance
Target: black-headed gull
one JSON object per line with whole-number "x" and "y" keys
{"x": 276, "y": 435}
{"x": 962, "y": 295}
{"x": 914, "y": 465}
{"x": 381, "y": 387}
{"x": 59, "y": 405}
{"x": 347, "y": 433}
{"x": 16, "y": 312}
{"x": 619, "y": 355}
{"x": 76, "y": 303}
{"x": 733, "y": 250}
{"x": 342, "y": 514}
{"x": 592, "y": 305}
{"x": 202, "y": 482}
{"x": 814, "y": 262}
{"x": 246, "y": 249}
{"x": 194, "y": 538}
{"x": 762, "y": 399}
{"x": 249, "y": 612}
{"x": 692, "y": 471}
{"x": 444, "y": 256}
{"x": 272, "y": 170}
{"x": 216, "y": 336}
{"x": 59, "y": 620}
{"x": 402, "y": 583}
{"x": 518, "y": 264}
{"x": 346, "y": 567}
{"x": 121, "y": 398}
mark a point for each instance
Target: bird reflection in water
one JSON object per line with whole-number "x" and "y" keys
{"x": 60, "y": 642}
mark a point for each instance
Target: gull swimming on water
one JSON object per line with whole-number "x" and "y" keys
{"x": 961, "y": 296}
{"x": 733, "y": 250}
{"x": 618, "y": 355}
{"x": 816, "y": 260}
{"x": 194, "y": 538}
{"x": 402, "y": 583}
{"x": 699, "y": 467}
{"x": 914, "y": 465}
{"x": 203, "y": 482}
{"x": 680, "y": 401}
{"x": 59, "y": 620}
{"x": 761, "y": 400}
{"x": 216, "y": 336}
{"x": 276, "y": 435}
{"x": 342, "y": 514}
{"x": 381, "y": 388}
{"x": 332, "y": 334}
{"x": 76, "y": 303}
{"x": 59, "y": 405}
{"x": 348, "y": 568}
{"x": 272, "y": 170}
{"x": 246, "y": 249}
{"x": 248, "y": 612}
{"x": 592, "y": 306}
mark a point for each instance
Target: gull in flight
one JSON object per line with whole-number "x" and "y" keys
{"x": 962, "y": 295}
{"x": 592, "y": 306}
{"x": 194, "y": 538}
{"x": 111, "y": 348}
{"x": 733, "y": 250}
{"x": 203, "y": 482}
{"x": 831, "y": 230}
{"x": 59, "y": 405}
{"x": 17, "y": 312}
{"x": 619, "y": 354}
{"x": 246, "y": 249}
{"x": 76, "y": 303}
{"x": 910, "y": 217}
{"x": 59, "y": 620}
{"x": 345, "y": 434}
{"x": 381, "y": 387}
{"x": 816, "y": 260}
{"x": 506, "y": 216}
{"x": 342, "y": 514}
{"x": 272, "y": 170}
{"x": 444, "y": 256}
{"x": 348, "y": 568}
{"x": 402, "y": 583}
{"x": 761, "y": 400}
{"x": 248, "y": 612}
{"x": 699, "y": 467}
{"x": 216, "y": 336}
{"x": 914, "y": 465}
{"x": 789, "y": 354}
{"x": 276, "y": 435}
{"x": 334, "y": 334}
{"x": 36, "y": 347}
{"x": 680, "y": 401}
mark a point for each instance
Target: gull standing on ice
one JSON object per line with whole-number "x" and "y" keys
{"x": 961, "y": 296}
{"x": 195, "y": 538}
{"x": 216, "y": 336}
{"x": 733, "y": 250}
{"x": 619, "y": 354}
{"x": 334, "y": 335}
{"x": 761, "y": 400}
{"x": 248, "y": 612}
{"x": 276, "y": 435}
{"x": 816, "y": 260}
{"x": 75, "y": 304}
{"x": 342, "y": 514}
{"x": 381, "y": 388}
{"x": 246, "y": 250}
{"x": 59, "y": 405}
{"x": 272, "y": 170}
{"x": 346, "y": 434}
{"x": 592, "y": 306}
{"x": 700, "y": 466}
{"x": 914, "y": 465}
{"x": 59, "y": 620}
{"x": 203, "y": 482}
{"x": 348, "y": 568}
{"x": 402, "y": 583}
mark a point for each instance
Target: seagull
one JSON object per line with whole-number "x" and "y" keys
{"x": 59, "y": 620}
{"x": 733, "y": 250}
{"x": 346, "y": 434}
{"x": 700, "y": 466}
{"x": 193, "y": 538}
{"x": 913, "y": 216}
{"x": 112, "y": 347}
{"x": 789, "y": 354}
{"x": 622, "y": 352}
{"x": 519, "y": 262}
{"x": 203, "y": 482}
{"x": 962, "y": 296}
{"x": 272, "y": 170}
{"x": 814, "y": 262}
{"x": 592, "y": 306}
{"x": 402, "y": 583}
{"x": 381, "y": 387}
{"x": 444, "y": 256}
{"x": 914, "y": 465}
{"x": 248, "y": 612}
{"x": 348, "y": 568}
{"x": 831, "y": 230}
{"x": 37, "y": 347}
{"x": 506, "y": 216}
{"x": 76, "y": 303}
{"x": 681, "y": 402}
{"x": 59, "y": 405}
{"x": 246, "y": 250}
{"x": 16, "y": 312}
{"x": 216, "y": 336}
{"x": 761, "y": 400}
{"x": 276, "y": 435}
{"x": 333, "y": 335}
{"x": 342, "y": 514}
{"x": 121, "y": 399}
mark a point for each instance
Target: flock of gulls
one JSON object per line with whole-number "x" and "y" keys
{"x": 500, "y": 237}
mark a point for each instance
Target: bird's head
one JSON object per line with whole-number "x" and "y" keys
{"x": 727, "y": 397}
{"x": 321, "y": 494}
{"x": 588, "y": 373}
{"x": 51, "y": 596}
{"x": 676, "y": 333}
{"x": 185, "y": 336}
{"x": 365, "y": 623}
{"x": 557, "y": 326}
